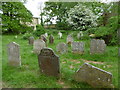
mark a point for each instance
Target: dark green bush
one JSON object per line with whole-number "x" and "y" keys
{"x": 39, "y": 30}
{"x": 26, "y": 35}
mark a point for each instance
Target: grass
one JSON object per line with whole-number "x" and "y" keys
{"x": 28, "y": 75}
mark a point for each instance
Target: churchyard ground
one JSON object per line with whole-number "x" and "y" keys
{"x": 28, "y": 75}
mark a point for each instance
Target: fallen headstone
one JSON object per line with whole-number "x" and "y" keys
{"x": 94, "y": 76}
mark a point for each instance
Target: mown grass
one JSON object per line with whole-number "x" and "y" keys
{"x": 28, "y": 75}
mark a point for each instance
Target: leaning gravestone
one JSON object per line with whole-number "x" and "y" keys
{"x": 69, "y": 39}
{"x": 49, "y": 62}
{"x": 77, "y": 47}
{"x": 43, "y": 37}
{"x": 94, "y": 76}
{"x": 62, "y": 48}
{"x": 51, "y": 39}
{"x": 38, "y": 45}
{"x": 13, "y": 54}
{"x": 97, "y": 46}
{"x": 31, "y": 40}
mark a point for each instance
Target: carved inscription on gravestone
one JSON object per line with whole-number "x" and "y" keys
{"x": 49, "y": 62}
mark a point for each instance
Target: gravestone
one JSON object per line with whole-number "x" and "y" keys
{"x": 46, "y": 35}
{"x": 13, "y": 54}
{"x": 38, "y": 45}
{"x": 94, "y": 76}
{"x": 69, "y": 39}
{"x": 43, "y": 37}
{"x": 80, "y": 35}
{"x": 51, "y": 39}
{"x": 77, "y": 47}
{"x": 31, "y": 40}
{"x": 62, "y": 48}
{"x": 97, "y": 46}
{"x": 49, "y": 62}
{"x": 60, "y": 35}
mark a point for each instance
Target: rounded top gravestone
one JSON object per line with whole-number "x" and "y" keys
{"x": 69, "y": 39}
{"x": 49, "y": 62}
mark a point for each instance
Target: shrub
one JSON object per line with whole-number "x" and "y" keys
{"x": 39, "y": 30}
{"x": 26, "y": 35}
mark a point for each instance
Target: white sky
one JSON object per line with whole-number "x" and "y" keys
{"x": 33, "y": 6}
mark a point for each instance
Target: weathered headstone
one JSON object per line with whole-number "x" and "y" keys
{"x": 31, "y": 40}
{"x": 49, "y": 62}
{"x": 60, "y": 35}
{"x": 80, "y": 35}
{"x": 69, "y": 39}
{"x": 46, "y": 35}
{"x": 14, "y": 54}
{"x": 62, "y": 48}
{"x": 97, "y": 46}
{"x": 43, "y": 37}
{"x": 77, "y": 47}
{"x": 38, "y": 45}
{"x": 51, "y": 39}
{"x": 94, "y": 76}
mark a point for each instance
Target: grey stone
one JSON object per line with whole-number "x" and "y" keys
{"x": 31, "y": 40}
{"x": 38, "y": 45}
{"x": 97, "y": 46}
{"x": 49, "y": 62}
{"x": 51, "y": 39}
{"x": 62, "y": 48}
{"x": 43, "y": 37}
{"x": 78, "y": 47}
{"x": 14, "y": 54}
{"x": 69, "y": 39}
{"x": 80, "y": 35}
{"x": 94, "y": 76}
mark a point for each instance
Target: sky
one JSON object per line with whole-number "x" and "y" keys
{"x": 33, "y": 6}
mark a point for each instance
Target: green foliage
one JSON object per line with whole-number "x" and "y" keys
{"x": 14, "y": 17}
{"x": 39, "y": 30}
{"x": 26, "y": 35}
{"x": 109, "y": 30}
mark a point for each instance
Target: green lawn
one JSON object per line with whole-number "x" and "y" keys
{"x": 28, "y": 75}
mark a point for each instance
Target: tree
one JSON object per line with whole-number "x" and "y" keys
{"x": 58, "y": 10}
{"x": 13, "y": 14}
{"x": 81, "y": 18}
